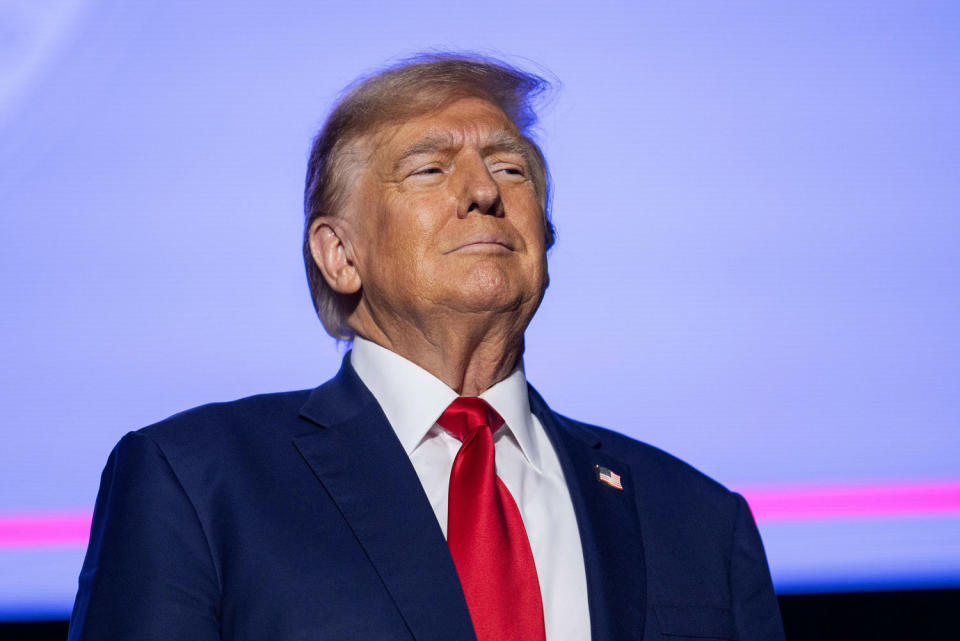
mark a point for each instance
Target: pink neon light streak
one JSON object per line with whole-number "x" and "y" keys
{"x": 44, "y": 530}
{"x": 767, "y": 504}
{"x": 853, "y": 501}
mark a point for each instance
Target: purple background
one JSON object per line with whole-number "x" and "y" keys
{"x": 757, "y": 266}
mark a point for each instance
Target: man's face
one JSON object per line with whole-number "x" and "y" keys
{"x": 446, "y": 217}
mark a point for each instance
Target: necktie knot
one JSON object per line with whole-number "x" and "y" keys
{"x": 466, "y": 414}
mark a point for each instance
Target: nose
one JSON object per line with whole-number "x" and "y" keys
{"x": 480, "y": 192}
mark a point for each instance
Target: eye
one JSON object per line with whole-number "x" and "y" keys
{"x": 509, "y": 170}
{"x": 427, "y": 171}
{"x": 509, "y": 166}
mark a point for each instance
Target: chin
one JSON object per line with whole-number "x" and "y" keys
{"x": 489, "y": 287}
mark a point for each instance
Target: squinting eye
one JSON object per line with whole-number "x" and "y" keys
{"x": 512, "y": 171}
{"x": 427, "y": 171}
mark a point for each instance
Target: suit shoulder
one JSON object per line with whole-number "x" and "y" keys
{"x": 218, "y": 424}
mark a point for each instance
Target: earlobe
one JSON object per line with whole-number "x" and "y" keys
{"x": 333, "y": 257}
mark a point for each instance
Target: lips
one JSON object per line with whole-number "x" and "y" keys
{"x": 480, "y": 241}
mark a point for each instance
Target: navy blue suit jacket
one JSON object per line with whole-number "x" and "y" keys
{"x": 299, "y": 516}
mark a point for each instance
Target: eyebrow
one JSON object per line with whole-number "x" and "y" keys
{"x": 440, "y": 141}
{"x": 500, "y": 140}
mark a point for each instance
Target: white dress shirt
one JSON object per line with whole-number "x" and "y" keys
{"x": 413, "y": 399}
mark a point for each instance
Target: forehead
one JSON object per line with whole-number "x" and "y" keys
{"x": 466, "y": 121}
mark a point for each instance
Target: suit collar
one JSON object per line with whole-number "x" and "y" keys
{"x": 357, "y": 457}
{"x": 339, "y": 400}
{"x": 609, "y": 527}
{"x": 576, "y": 430}
{"x": 411, "y": 397}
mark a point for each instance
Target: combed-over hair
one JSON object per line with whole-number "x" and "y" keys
{"x": 414, "y": 87}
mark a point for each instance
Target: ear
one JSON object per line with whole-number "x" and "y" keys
{"x": 333, "y": 256}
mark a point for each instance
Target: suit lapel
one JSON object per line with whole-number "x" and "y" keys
{"x": 609, "y": 528}
{"x": 357, "y": 457}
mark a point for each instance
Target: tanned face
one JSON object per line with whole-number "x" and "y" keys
{"x": 444, "y": 217}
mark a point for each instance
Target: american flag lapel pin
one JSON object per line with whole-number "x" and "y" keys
{"x": 608, "y": 476}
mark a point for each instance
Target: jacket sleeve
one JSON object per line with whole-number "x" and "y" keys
{"x": 148, "y": 573}
{"x": 755, "y": 606}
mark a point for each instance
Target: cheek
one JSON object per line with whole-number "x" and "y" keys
{"x": 408, "y": 228}
{"x": 529, "y": 220}
{"x": 425, "y": 215}
{"x": 531, "y": 224}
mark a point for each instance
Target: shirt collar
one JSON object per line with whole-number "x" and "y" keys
{"x": 512, "y": 401}
{"x": 412, "y": 398}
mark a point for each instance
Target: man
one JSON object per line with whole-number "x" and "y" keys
{"x": 425, "y": 492}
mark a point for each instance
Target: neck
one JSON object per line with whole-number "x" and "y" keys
{"x": 469, "y": 353}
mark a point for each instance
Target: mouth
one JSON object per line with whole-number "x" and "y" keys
{"x": 484, "y": 243}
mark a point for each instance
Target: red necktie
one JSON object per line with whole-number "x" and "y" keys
{"x": 485, "y": 532}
